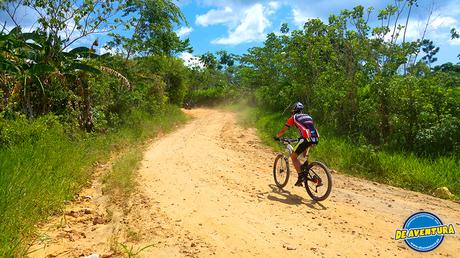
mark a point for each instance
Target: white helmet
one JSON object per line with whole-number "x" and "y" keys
{"x": 297, "y": 108}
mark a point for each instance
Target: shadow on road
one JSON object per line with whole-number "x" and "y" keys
{"x": 286, "y": 197}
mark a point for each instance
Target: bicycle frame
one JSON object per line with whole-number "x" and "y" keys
{"x": 312, "y": 178}
{"x": 289, "y": 150}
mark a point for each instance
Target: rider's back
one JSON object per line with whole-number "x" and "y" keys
{"x": 305, "y": 125}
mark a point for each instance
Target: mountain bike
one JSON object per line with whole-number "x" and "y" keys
{"x": 318, "y": 179}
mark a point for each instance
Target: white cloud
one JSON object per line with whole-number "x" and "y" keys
{"x": 112, "y": 51}
{"x": 214, "y": 16}
{"x": 190, "y": 60}
{"x": 454, "y": 42}
{"x": 273, "y": 7}
{"x": 414, "y": 30}
{"x": 440, "y": 22}
{"x": 223, "y": 3}
{"x": 438, "y": 29}
{"x": 250, "y": 28}
{"x": 246, "y": 21}
{"x": 299, "y": 17}
{"x": 184, "y": 31}
{"x": 446, "y": 15}
{"x": 26, "y": 17}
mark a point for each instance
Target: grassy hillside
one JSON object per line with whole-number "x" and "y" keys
{"x": 48, "y": 167}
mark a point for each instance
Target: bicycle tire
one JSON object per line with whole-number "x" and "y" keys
{"x": 281, "y": 158}
{"x": 329, "y": 181}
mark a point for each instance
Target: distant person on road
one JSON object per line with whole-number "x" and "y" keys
{"x": 308, "y": 136}
{"x": 188, "y": 104}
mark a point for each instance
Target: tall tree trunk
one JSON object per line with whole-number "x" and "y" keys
{"x": 86, "y": 115}
{"x": 410, "y": 3}
{"x": 28, "y": 107}
{"x": 426, "y": 28}
{"x": 400, "y": 10}
{"x": 384, "y": 118}
{"x": 6, "y": 95}
{"x": 130, "y": 48}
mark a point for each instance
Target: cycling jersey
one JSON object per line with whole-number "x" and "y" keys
{"x": 304, "y": 124}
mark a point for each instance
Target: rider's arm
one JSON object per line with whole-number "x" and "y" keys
{"x": 289, "y": 122}
{"x": 280, "y": 133}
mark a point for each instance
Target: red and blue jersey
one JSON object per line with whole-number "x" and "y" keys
{"x": 305, "y": 125}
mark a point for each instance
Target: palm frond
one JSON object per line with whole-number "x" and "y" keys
{"x": 118, "y": 75}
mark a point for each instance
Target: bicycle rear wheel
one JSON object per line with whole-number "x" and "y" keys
{"x": 281, "y": 170}
{"x": 318, "y": 182}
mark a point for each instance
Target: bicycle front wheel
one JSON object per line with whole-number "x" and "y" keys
{"x": 318, "y": 182}
{"x": 281, "y": 170}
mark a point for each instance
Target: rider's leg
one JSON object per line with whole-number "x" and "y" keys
{"x": 305, "y": 154}
{"x": 295, "y": 161}
{"x": 299, "y": 150}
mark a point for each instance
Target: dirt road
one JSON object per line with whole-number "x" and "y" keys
{"x": 207, "y": 190}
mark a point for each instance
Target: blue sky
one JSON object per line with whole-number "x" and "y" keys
{"x": 236, "y": 25}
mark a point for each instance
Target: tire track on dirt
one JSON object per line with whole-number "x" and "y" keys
{"x": 216, "y": 178}
{"x": 207, "y": 190}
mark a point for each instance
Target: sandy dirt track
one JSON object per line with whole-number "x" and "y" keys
{"x": 207, "y": 190}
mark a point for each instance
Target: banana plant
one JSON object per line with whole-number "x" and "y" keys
{"x": 33, "y": 62}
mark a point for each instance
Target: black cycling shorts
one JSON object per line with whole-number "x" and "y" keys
{"x": 303, "y": 145}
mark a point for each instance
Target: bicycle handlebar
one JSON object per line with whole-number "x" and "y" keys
{"x": 287, "y": 140}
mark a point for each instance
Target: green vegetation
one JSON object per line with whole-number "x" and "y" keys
{"x": 39, "y": 174}
{"x": 368, "y": 89}
{"x": 395, "y": 168}
{"x": 64, "y": 108}
{"x": 384, "y": 110}
{"x": 131, "y": 252}
{"x": 216, "y": 82}
{"x": 119, "y": 182}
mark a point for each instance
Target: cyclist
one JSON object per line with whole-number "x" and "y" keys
{"x": 308, "y": 136}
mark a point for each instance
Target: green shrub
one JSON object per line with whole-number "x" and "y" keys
{"x": 395, "y": 168}
{"x": 42, "y": 166}
{"x": 21, "y": 130}
{"x": 212, "y": 96}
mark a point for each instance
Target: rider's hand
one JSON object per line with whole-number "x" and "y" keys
{"x": 276, "y": 138}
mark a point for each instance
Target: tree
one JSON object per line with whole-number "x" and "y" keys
{"x": 430, "y": 51}
{"x": 67, "y": 21}
{"x": 455, "y": 35}
{"x": 39, "y": 77}
{"x": 284, "y": 28}
{"x": 209, "y": 60}
{"x": 152, "y": 22}
{"x": 411, "y": 4}
{"x": 226, "y": 60}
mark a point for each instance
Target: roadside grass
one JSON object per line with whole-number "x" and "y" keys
{"x": 37, "y": 176}
{"x": 119, "y": 181}
{"x": 398, "y": 169}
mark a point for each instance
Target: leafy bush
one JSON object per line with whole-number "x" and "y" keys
{"x": 212, "y": 96}
{"x": 20, "y": 131}
{"x": 441, "y": 138}
{"x": 363, "y": 160}
{"x": 42, "y": 166}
